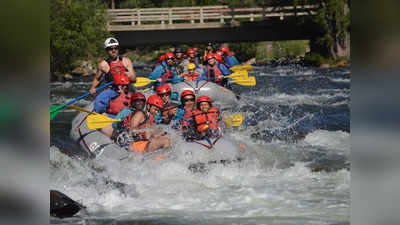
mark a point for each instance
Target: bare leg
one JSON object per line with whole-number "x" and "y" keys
{"x": 108, "y": 130}
{"x": 158, "y": 143}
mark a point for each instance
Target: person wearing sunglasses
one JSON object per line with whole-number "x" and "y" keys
{"x": 206, "y": 118}
{"x": 184, "y": 114}
{"x": 114, "y": 65}
{"x": 143, "y": 139}
{"x": 165, "y": 72}
{"x": 169, "y": 110}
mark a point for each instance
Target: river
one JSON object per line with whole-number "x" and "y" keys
{"x": 297, "y": 169}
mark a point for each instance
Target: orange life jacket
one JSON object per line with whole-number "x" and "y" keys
{"x": 217, "y": 74}
{"x": 190, "y": 76}
{"x": 210, "y": 119}
{"x": 120, "y": 102}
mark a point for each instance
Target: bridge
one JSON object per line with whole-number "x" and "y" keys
{"x": 210, "y": 23}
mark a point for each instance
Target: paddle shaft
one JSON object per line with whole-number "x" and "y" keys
{"x": 87, "y": 94}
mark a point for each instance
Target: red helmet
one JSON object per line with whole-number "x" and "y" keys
{"x": 165, "y": 88}
{"x": 224, "y": 49}
{"x": 219, "y": 52}
{"x": 189, "y": 51}
{"x": 169, "y": 55}
{"x": 186, "y": 93}
{"x": 138, "y": 96}
{"x": 161, "y": 58}
{"x": 156, "y": 101}
{"x": 194, "y": 49}
{"x": 218, "y": 57}
{"x": 203, "y": 99}
{"x": 210, "y": 55}
{"x": 121, "y": 80}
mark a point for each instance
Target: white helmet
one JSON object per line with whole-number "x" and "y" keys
{"x": 110, "y": 42}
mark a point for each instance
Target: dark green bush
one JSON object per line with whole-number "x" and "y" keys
{"x": 244, "y": 50}
{"x": 77, "y": 31}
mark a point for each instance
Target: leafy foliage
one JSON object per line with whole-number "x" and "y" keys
{"x": 77, "y": 31}
{"x": 244, "y": 50}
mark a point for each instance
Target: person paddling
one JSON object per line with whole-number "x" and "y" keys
{"x": 229, "y": 57}
{"x": 111, "y": 101}
{"x": 145, "y": 141}
{"x": 114, "y": 65}
{"x": 165, "y": 72}
{"x": 214, "y": 71}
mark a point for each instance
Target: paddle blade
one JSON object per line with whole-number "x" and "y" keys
{"x": 241, "y": 75}
{"x": 54, "y": 110}
{"x": 247, "y": 67}
{"x": 142, "y": 81}
{"x": 251, "y": 81}
{"x": 233, "y": 120}
{"x": 97, "y": 121}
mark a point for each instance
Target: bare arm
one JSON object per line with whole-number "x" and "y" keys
{"x": 131, "y": 72}
{"x": 136, "y": 120}
{"x": 97, "y": 77}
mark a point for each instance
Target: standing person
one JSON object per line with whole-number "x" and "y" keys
{"x": 113, "y": 65}
{"x": 145, "y": 141}
{"x": 209, "y": 49}
{"x": 179, "y": 57}
{"x": 206, "y": 118}
{"x": 165, "y": 72}
{"x": 111, "y": 101}
{"x": 214, "y": 71}
{"x": 229, "y": 58}
{"x": 169, "y": 110}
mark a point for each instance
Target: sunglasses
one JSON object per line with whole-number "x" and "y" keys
{"x": 188, "y": 99}
{"x": 112, "y": 48}
{"x": 164, "y": 94}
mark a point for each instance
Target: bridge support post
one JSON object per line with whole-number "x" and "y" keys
{"x": 201, "y": 15}
{"x": 170, "y": 16}
{"x": 251, "y": 17}
{"x": 139, "y": 22}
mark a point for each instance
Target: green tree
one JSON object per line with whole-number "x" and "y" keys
{"x": 77, "y": 31}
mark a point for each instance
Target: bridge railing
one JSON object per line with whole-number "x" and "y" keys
{"x": 198, "y": 17}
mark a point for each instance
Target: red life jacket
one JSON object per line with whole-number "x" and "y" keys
{"x": 168, "y": 74}
{"x": 190, "y": 76}
{"x": 217, "y": 72}
{"x": 209, "y": 119}
{"x": 188, "y": 116}
{"x": 171, "y": 107}
{"x": 116, "y": 67}
{"x": 120, "y": 102}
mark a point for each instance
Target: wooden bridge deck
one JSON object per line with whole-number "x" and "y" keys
{"x": 197, "y": 17}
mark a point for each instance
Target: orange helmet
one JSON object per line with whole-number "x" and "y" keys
{"x": 156, "y": 101}
{"x": 138, "y": 96}
{"x": 169, "y": 55}
{"x": 162, "y": 89}
{"x": 224, "y": 49}
{"x": 121, "y": 80}
{"x": 189, "y": 51}
{"x": 203, "y": 99}
{"x": 186, "y": 93}
{"x": 161, "y": 58}
{"x": 210, "y": 55}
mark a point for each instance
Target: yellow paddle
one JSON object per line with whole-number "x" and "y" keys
{"x": 97, "y": 121}
{"x": 233, "y": 120}
{"x": 241, "y": 74}
{"x": 143, "y": 81}
{"x": 250, "y": 81}
{"x": 247, "y": 67}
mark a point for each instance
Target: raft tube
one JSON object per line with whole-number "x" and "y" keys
{"x": 99, "y": 146}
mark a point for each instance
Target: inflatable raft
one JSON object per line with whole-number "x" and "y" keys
{"x": 99, "y": 146}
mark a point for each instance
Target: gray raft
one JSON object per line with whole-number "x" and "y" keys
{"x": 99, "y": 146}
